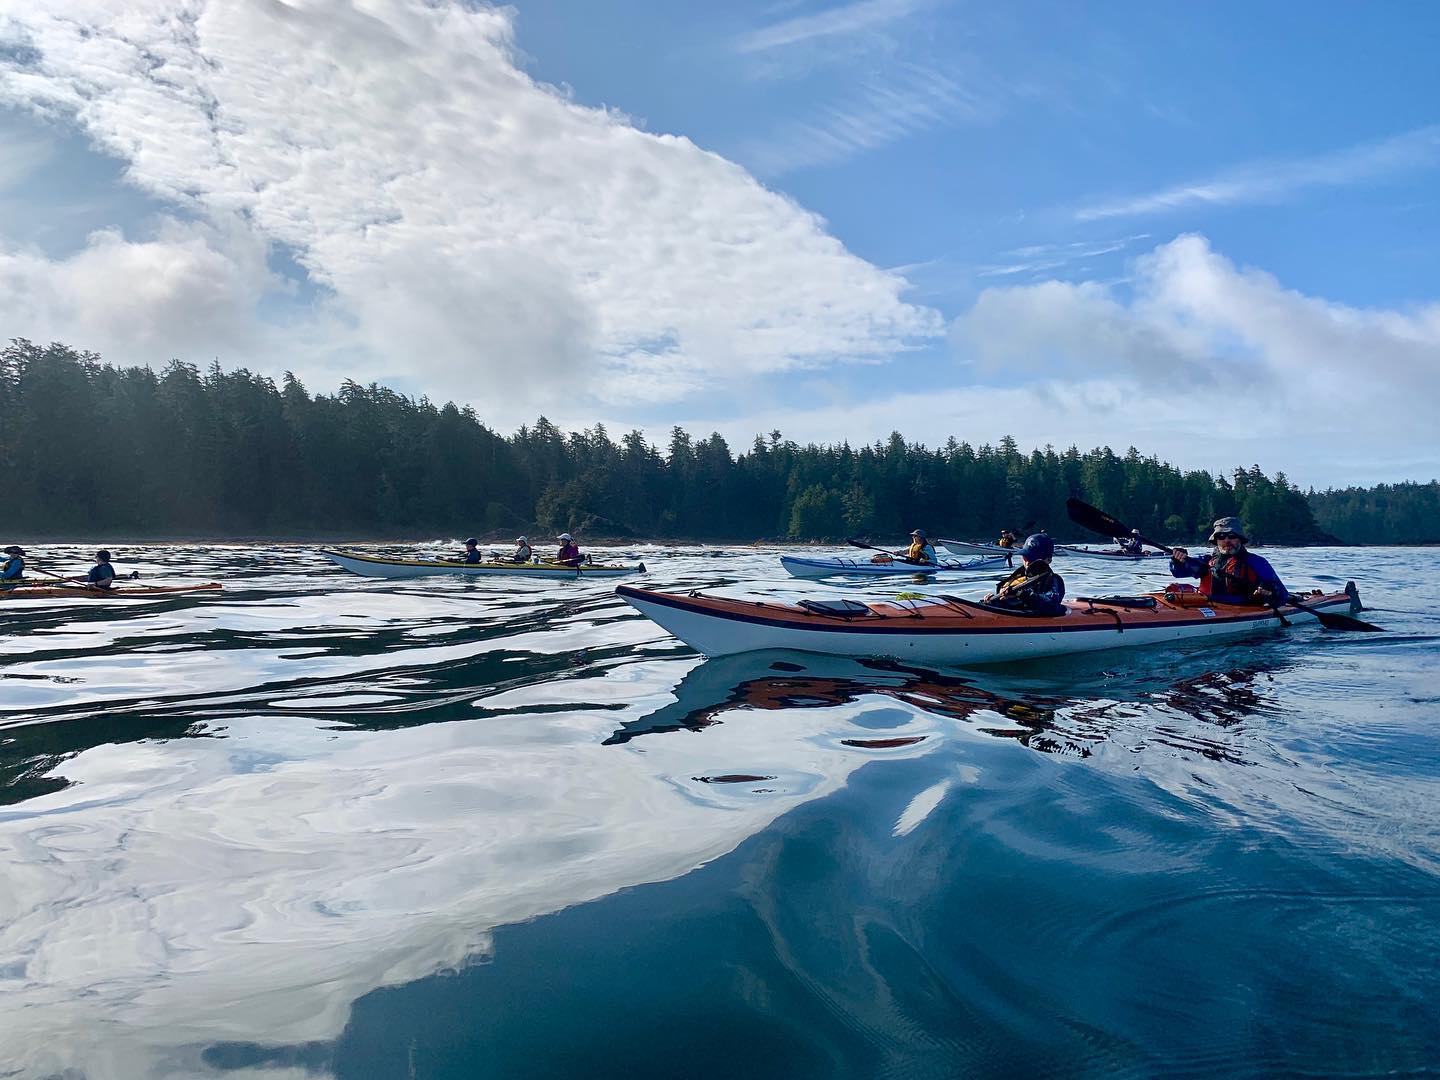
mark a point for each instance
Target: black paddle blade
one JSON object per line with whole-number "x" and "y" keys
{"x": 1096, "y": 520}
{"x": 1334, "y": 621}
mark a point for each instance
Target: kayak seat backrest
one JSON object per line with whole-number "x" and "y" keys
{"x": 844, "y": 609}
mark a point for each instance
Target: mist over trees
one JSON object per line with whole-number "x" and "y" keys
{"x": 91, "y": 449}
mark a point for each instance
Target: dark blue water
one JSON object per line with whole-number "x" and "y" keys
{"x": 323, "y": 826}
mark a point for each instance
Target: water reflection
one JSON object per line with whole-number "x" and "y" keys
{"x": 1038, "y": 718}
{"x": 224, "y": 823}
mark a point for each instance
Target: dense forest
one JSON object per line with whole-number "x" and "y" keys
{"x": 96, "y": 450}
{"x": 1385, "y": 514}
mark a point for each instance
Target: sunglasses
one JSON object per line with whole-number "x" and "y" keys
{"x": 1227, "y": 536}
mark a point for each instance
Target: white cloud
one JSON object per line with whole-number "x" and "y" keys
{"x": 1271, "y": 180}
{"x": 837, "y": 21}
{"x": 879, "y": 112}
{"x": 190, "y": 290}
{"x": 471, "y": 225}
{"x": 1207, "y": 364}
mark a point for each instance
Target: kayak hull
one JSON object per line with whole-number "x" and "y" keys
{"x": 377, "y": 566}
{"x": 937, "y": 632}
{"x": 821, "y": 568}
{"x": 115, "y": 592}
{"x": 1114, "y": 556}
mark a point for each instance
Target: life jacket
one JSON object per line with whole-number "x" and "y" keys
{"x": 918, "y": 552}
{"x": 1229, "y": 575}
{"x": 1025, "y": 579}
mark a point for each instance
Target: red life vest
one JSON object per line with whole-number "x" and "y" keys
{"x": 1229, "y": 575}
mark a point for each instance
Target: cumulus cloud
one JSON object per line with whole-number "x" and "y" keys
{"x": 463, "y": 219}
{"x": 1191, "y": 315}
{"x": 188, "y": 290}
{"x": 1192, "y": 357}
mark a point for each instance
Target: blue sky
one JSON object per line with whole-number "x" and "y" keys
{"x": 1208, "y": 230}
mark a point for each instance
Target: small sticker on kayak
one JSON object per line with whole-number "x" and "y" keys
{"x": 1208, "y": 612}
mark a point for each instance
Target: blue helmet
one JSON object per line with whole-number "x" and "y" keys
{"x": 1036, "y": 547}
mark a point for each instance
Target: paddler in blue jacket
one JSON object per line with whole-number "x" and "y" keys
{"x": 472, "y": 551}
{"x": 1033, "y": 586}
{"x": 13, "y": 568}
{"x": 1231, "y": 574}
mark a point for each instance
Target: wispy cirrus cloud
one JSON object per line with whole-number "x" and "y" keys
{"x": 832, "y": 22}
{"x": 879, "y": 112}
{"x": 1034, "y": 258}
{"x": 1268, "y": 181}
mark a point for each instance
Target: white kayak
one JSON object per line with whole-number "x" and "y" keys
{"x": 1110, "y": 553}
{"x": 820, "y": 568}
{"x": 970, "y": 547}
{"x": 385, "y": 566}
{"x": 950, "y": 630}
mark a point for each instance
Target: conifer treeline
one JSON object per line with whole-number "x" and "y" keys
{"x": 1385, "y": 514}
{"x": 94, "y": 449}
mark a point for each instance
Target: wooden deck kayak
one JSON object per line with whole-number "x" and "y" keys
{"x": 950, "y": 630}
{"x": 57, "y": 591}
{"x": 385, "y": 566}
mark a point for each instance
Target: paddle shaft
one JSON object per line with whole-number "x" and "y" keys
{"x": 887, "y": 551}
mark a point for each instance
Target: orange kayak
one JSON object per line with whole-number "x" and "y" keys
{"x": 56, "y": 591}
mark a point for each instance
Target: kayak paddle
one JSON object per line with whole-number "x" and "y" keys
{"x": 898, "y": 558}
{"x": 1096, "y": 520}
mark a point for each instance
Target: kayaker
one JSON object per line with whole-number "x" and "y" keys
{"x": 1130, "y": 545}
{"x": 523, "y": 552}
{"x": 1008, "y": 539}
{"x": 569, "y": 554}
{"x": 1033, "y": 586}
{"x": 1231, "y": 574}
{"x": 472, "y": 551}
{"x": 13, "y": 568}
{"x": 102, "y": 573}
{"x": 921, "y": 552}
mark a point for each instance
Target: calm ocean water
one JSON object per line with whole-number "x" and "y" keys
{"x": 318, "y": 825}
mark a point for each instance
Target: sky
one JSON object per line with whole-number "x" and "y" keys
{"x": 1206, "y": 230}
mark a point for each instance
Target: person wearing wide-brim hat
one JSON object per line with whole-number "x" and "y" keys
{"x": 522, "y": 550}
{"x": 921, "y": 550}
{"x": 569, "y": 554}
{"x": 12, "y": 569}
{"x": 1232, "y": 573}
